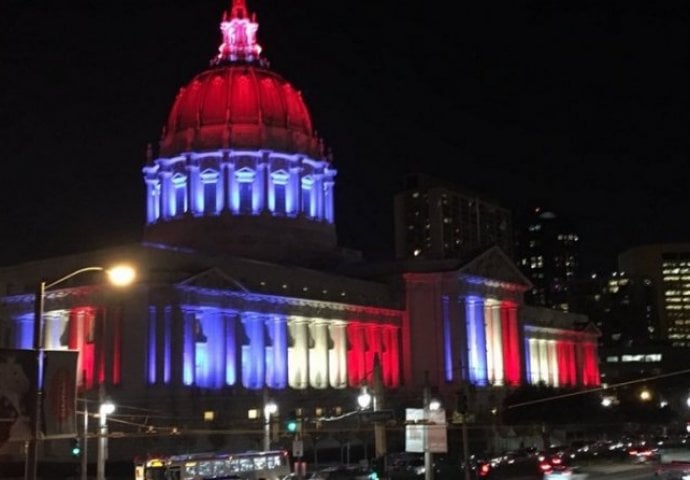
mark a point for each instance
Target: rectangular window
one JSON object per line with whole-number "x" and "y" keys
{"x": 279, "y": 192}
{"x": 306, "y": 202}
{"x": 210, "y": 197}
{"x": 180, "y": 199}
{"x": 245, "y": 197}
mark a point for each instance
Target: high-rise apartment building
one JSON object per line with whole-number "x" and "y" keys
{"x": 436, "y": 220}
{"x": 547, "y": 251}
{"x": 667, "y": 266}
{"x": 621, "y": 306}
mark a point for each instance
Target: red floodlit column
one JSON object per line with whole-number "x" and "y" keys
{"x": 117, "y": 345}
{"x": 373, "y": 340}
{"x": 389, "y": 357}
{"x": 572, "y": 363}
{"x": 591, "y": 375}
{"x": 356, "y": 353}
{"x": 511, "y": 350}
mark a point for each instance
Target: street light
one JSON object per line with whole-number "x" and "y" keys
{"x": 119, "y": 275}
{"x": 270, "y": 408}
{"x": 106, "y": 408}
{"x": 430, "y": 405}
{"x": 364, "y": 398}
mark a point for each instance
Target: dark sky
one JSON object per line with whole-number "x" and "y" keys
{"x": 580, "y": 106}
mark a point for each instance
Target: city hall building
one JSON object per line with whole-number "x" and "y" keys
{"x": 242, "y": 290}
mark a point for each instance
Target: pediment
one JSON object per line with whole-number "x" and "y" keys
{"x": 214, "y": 278}
{"x": 494, "y": 265}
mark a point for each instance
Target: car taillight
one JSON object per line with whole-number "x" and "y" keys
{"x": 484, "y": 470}
{"x": 545, "y": 467}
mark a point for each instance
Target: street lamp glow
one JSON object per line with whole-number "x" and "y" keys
{"x": 645, "y": 395}
{"x": 364, "y": 398}
{"x": 434, "y": 404}
{"x": 121, "y": 275}
{"x": 107, "y": 408}
{"x": 270, "y": 408}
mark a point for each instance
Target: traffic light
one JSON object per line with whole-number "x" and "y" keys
{"x": 76, "y": 448}
{"x": 292, "y": 422}
{"x": 291, "y": 425}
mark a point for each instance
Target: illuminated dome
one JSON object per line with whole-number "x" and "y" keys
{"x": 239, "y": 106}
{"x": 240, "y": 169}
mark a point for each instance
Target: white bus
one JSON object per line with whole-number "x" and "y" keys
{"x": 272, "y": 465}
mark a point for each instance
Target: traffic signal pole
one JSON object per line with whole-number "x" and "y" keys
{"x": 85, "y": 442}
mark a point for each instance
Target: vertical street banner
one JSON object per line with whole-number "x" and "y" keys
{"x": 60, "y": 392}
{"x": 17, "y": 390}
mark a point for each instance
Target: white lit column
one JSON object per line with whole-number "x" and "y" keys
{"x": 318, "y": 354}
{"x": 298, "y": 354}
{"x": 337, "y": 356}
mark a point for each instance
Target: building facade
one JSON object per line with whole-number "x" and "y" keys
{"x": 436, "y": 220}
{"x": 667, "y": 267}
{"x": 238, "y": 295}
{"x": 548, "y": 254}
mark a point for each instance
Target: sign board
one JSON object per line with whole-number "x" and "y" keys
{"x": 297, "y": 448}
{"x": 414, "y": 438}
{"x": 426, "y": 434}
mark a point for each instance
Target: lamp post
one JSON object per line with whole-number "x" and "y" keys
{"x": 85, "y": 443}
{"x": 428, "y": 459}
{"x": 270, "y": 408}
{"x": 119, "y": 276}
{"x": 104, "y": 410}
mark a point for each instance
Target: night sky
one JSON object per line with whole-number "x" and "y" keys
{"x": 578, "y": 106}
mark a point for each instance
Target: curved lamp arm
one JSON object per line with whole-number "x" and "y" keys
{"x": 73, "y": 274}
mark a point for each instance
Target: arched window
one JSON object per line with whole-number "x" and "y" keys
{"x": 179, "y": 200}
{"x": 308, "y": 207}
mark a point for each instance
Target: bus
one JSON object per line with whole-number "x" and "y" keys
{"x": 271, "y": 465}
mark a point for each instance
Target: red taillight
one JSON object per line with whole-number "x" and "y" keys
{"x": 545, "y": 467}
{"x": 556, "y": 460}
{"x": 484, "y": 470}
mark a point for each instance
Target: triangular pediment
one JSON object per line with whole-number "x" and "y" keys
{"x": 495, "y": 265}
{"x": 214, "y": 278}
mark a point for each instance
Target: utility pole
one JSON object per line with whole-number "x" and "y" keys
{"x": 379, "y": 426}
{"x": 428, "y": 458}
{"x": 85, "y": 442}
{"x": 463, "y": 409}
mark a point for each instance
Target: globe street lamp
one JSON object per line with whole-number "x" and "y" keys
{"x": 106, "y": 408}
{"x": 120, "y": 276}
{"x": 364, "y": 398}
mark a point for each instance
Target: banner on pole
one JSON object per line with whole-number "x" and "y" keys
{"x": 60, "y": 392}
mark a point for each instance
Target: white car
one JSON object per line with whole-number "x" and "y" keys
{"x": 562, "y": 472}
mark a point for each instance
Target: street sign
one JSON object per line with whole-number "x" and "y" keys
{"x": 377, "y": 415}
{"x": 297, "y": 448}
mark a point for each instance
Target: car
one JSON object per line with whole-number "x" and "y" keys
{"x": 306, "y": 476}
{"x": 349, "y": 472}
{"x": 564, "y": 472}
